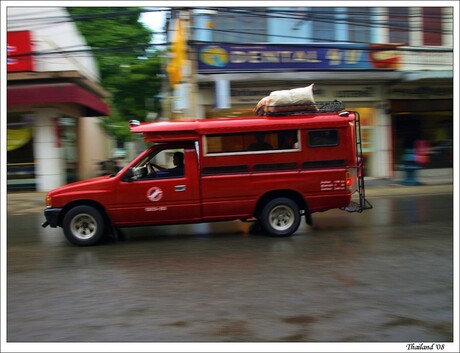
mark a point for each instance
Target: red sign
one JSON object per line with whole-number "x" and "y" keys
{"x": 19, "y": 50}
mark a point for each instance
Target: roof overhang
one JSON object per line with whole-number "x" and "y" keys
{"x": 307, "y": 76}
{"x": 57, "y": 93}
{"x": 428, "y": 75}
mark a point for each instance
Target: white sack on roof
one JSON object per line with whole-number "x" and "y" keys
{"x": 296, "y": 96}
{"x": 296, "y": 99}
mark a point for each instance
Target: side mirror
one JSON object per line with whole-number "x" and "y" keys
{"x": 128, "y": 175}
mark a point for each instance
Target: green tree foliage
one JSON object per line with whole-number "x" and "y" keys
{"x": 129, "y": 70}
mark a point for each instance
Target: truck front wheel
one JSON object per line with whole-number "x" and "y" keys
{"x": 280, "y": 217}
{"x": 83, "y": 225}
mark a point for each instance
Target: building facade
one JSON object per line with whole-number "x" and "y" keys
{"x": 403, "y": 90}
{"x": 54, "y": 101}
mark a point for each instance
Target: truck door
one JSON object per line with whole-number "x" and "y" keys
{"x": 161, "y": 191}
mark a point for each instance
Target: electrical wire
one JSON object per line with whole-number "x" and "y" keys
{"x": 312, "y": 43}
{"x": 280, "y": 14}
{"x": 327, "y": 17}
{"x": 232, "y": 32}
{"x": 128, "y": 51}
{"x": 53, "y": 20}
{"x": 340, "y": 45}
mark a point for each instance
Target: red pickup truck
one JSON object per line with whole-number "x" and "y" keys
{"x": 271, "y": 169}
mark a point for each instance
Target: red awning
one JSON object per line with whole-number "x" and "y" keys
{"x": 45, "y": 94}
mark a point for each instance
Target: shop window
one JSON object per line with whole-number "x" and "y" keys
{"x": 323, "y": 23}
{"x": 367, "y": 117}
{"x": 434, "y": 130}
{"x": 399, "y": 24}
{"x": 240, "y": 25}
{"x": 20, "y": 152}
{"x": 67, "y": 140}
{"x": 359, "y": 24}
{"x": 432, "y": 26}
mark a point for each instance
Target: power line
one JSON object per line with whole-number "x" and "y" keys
{"x": 313, "y": 39}
{"x": 263, "y": 13}
{"x": 341, "y": 44}
{"x": 127, "y": 50}
{"x": 327, "y": 17}
{"x": 49, "y": 21}
{"x": 119, "y": 49}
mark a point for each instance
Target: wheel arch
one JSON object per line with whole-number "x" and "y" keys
{"x": 91, "y": 203}
{"x": 288, "y": 193}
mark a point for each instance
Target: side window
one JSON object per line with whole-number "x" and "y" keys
{"x": 168, "y": 163}
{"x": 323, "y": 138}
{"x": 243, "y": 143}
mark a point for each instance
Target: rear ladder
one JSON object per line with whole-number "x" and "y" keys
{"x": 362, "y": 203}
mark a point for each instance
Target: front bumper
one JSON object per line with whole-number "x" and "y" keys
{"x": 52, "y": 217}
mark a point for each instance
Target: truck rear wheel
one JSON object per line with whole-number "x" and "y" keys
{"x": 280, "y": 217}
{"x": 83, "y": 225}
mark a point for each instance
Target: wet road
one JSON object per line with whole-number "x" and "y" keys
{"x": 381, "y": 276}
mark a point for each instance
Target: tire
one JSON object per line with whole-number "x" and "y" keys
{"x": 280, "y": 217}
{"x": 83, "y": 225}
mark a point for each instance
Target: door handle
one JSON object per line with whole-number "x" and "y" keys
{"x": 180, "y": 188}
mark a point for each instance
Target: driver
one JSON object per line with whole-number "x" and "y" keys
{"x": 178, "y": 170}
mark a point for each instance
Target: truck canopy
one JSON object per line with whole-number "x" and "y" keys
{"x": 189, "y": 130}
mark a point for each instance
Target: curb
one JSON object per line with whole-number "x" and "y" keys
{"x": 404, "y": 190}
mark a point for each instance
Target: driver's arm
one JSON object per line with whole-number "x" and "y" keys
{"x": 157, "y": 166}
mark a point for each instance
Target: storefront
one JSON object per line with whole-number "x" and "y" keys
{"x": 367, "y": 100}
{"x": 353, "y": 74}
{"x": 422, "y": 121}
{"x": 53, "y": 110}
{"x": 46, "y": 133}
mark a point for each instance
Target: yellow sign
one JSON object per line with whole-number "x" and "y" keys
{"x": 18, "y": 138}
{"x": 178, "y": 54}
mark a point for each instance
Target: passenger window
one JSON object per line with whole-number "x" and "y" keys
{"x": 260, "y": 144}
{"x": 323, "y": 138}
{"x": 251, "y": 141}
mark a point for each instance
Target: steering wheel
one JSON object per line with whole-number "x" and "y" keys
{"x": 151, "y": 172}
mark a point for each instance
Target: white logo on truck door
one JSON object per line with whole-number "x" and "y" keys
{"x": 155, "y": 194}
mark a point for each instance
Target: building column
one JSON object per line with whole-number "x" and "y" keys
{"x": 93, "y": 146}
{"x": 382, "y": 165}
{"x": 223, "y": 95}
{"x": 49, "y": 162}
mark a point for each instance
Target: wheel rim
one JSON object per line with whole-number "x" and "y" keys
{"x": 83, "y": 226}
{"x": 281, "y": 217}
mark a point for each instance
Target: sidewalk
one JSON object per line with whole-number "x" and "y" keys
{"x": 430, "y": 183}
{"x": 376, "y": 188}
{"x": 27, "y": 202}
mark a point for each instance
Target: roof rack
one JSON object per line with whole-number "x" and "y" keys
{"x": 318, "y": 107}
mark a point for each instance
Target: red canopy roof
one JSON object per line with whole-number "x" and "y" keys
{"x": 45, "y": 94}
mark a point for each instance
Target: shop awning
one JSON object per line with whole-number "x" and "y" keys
{"x": 428, "y": 75}
{"x": 57, "y": 93}
{"x": 306, "y": 76}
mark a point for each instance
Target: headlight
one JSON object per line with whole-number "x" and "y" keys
{"x": 48, "y": 200}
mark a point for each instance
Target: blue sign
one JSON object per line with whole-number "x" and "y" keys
{"x": 234, "y": 58}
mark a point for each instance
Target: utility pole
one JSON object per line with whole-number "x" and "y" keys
{"x": 189, "y": 70}
{"x": 182, "y": 68}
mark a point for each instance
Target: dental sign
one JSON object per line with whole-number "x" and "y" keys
{"x": 228, "y": 58}
{"x": 19, "y": 50}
